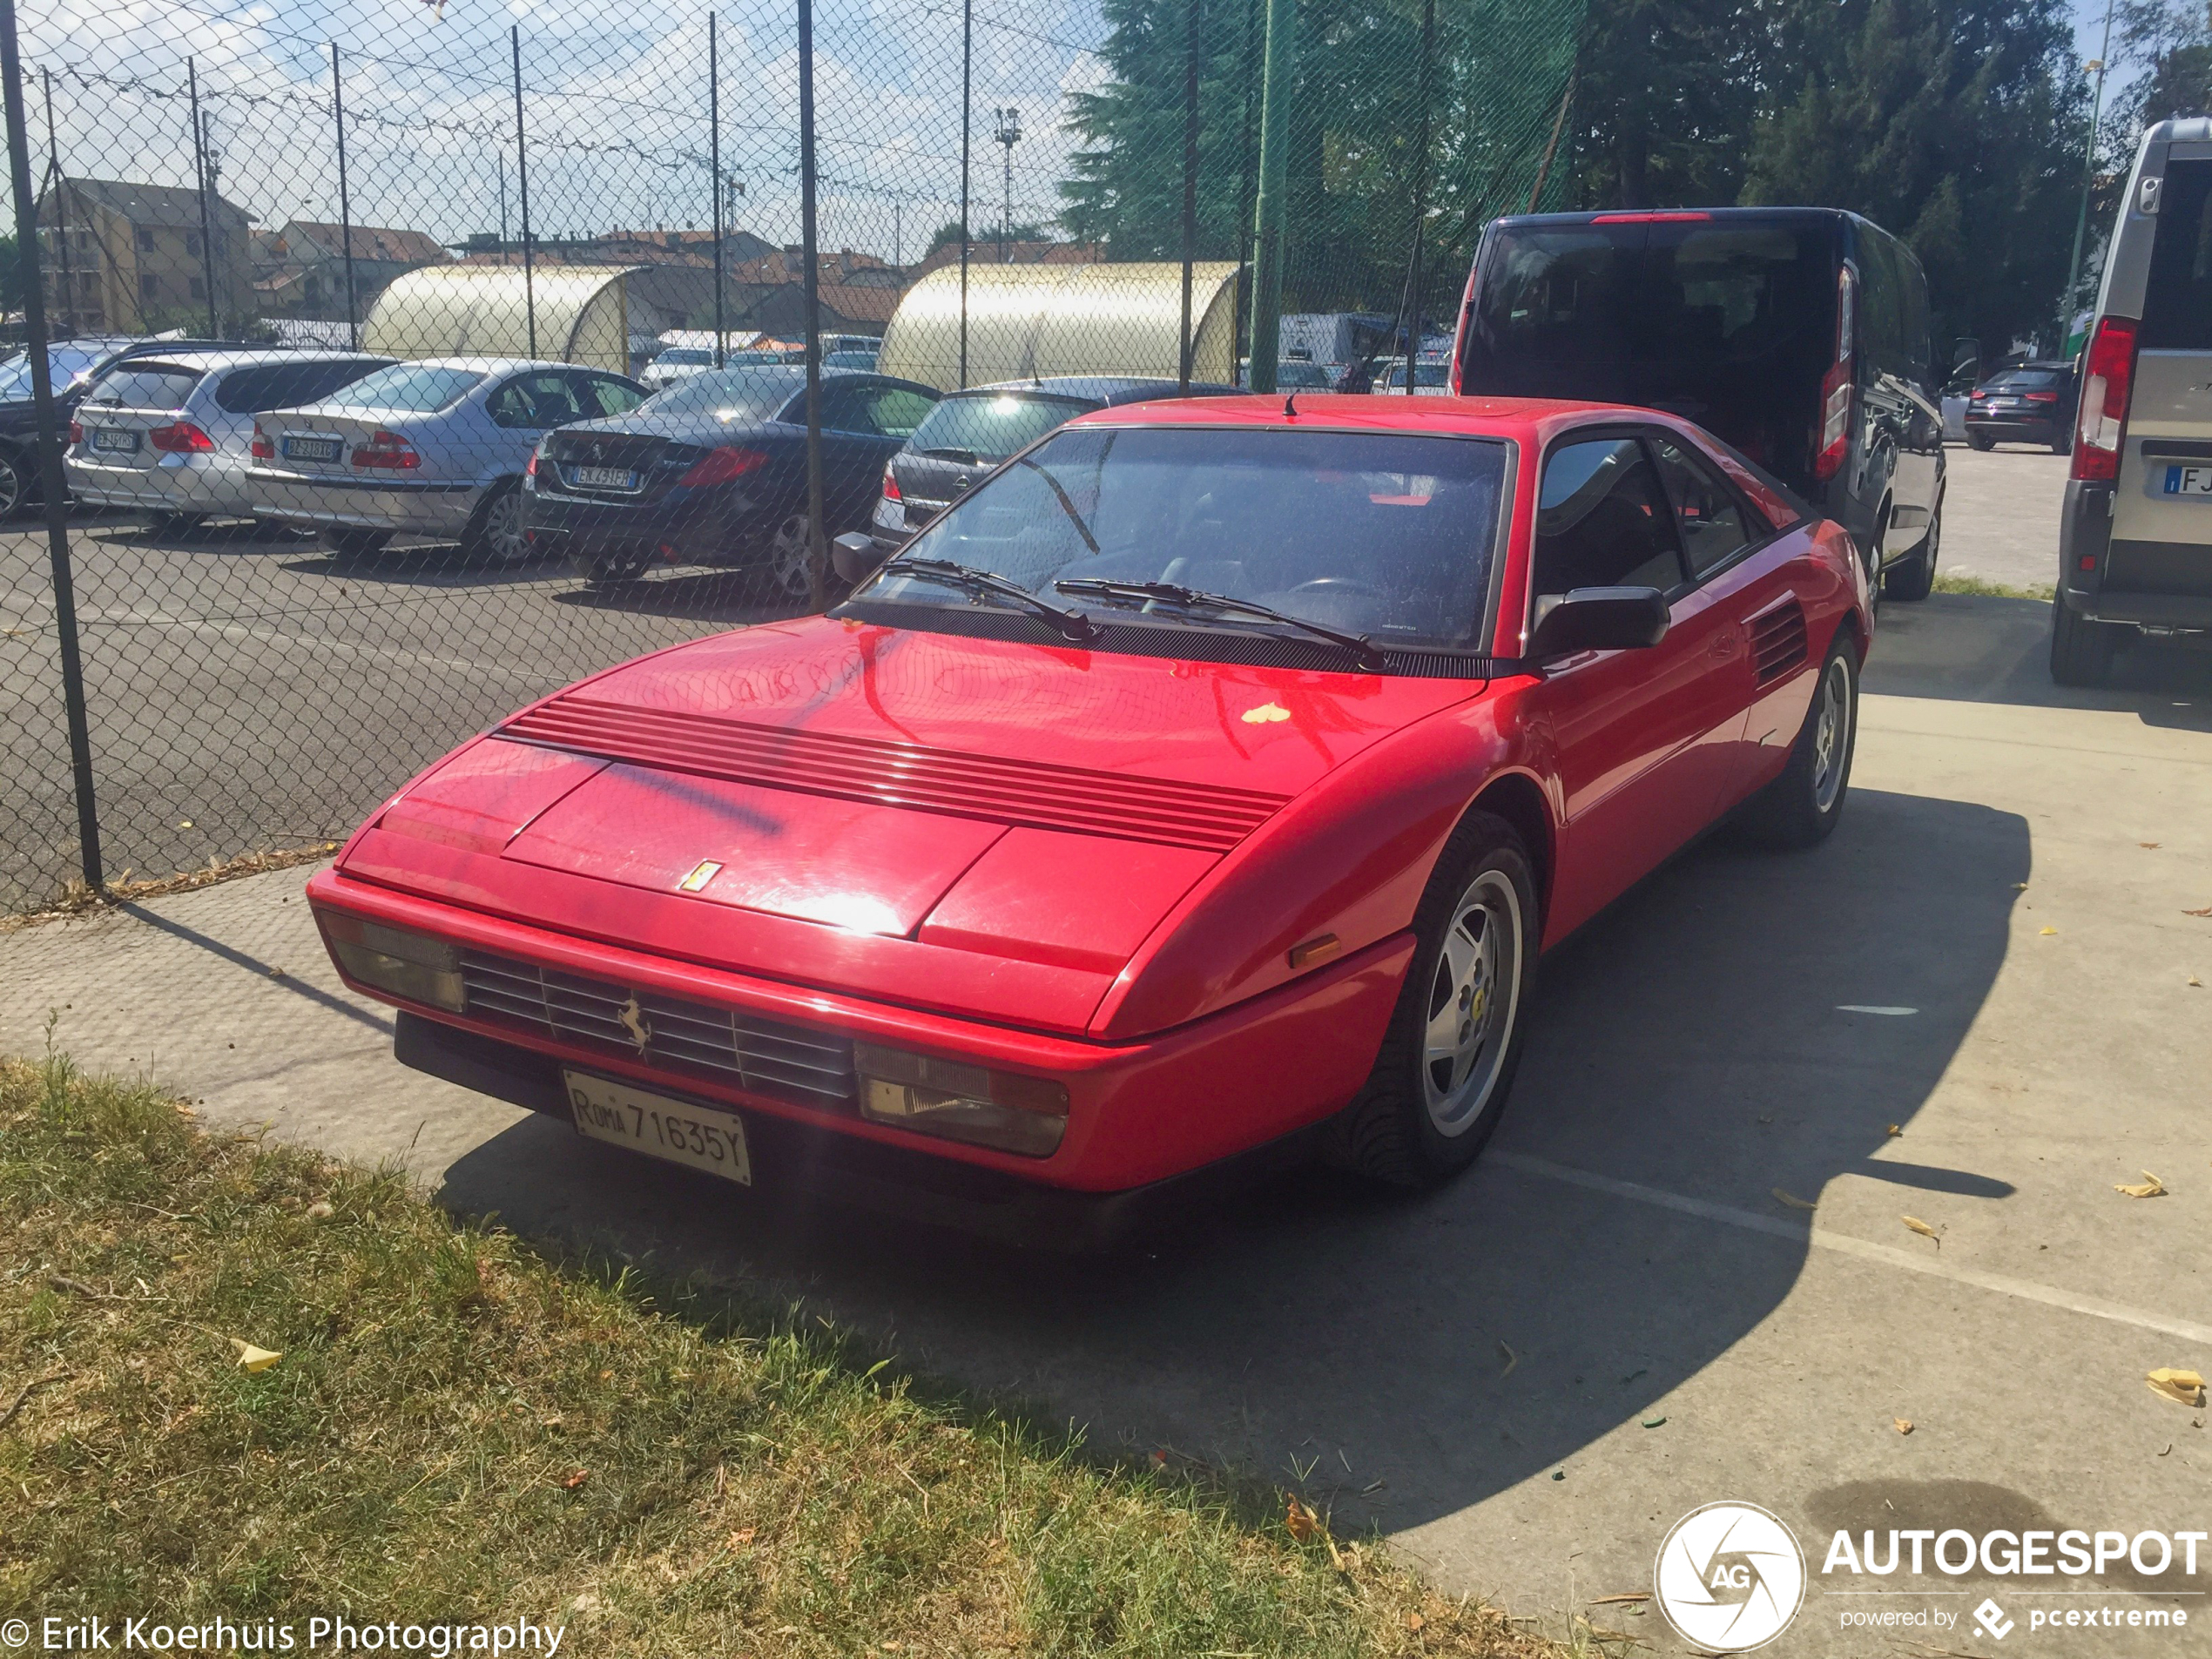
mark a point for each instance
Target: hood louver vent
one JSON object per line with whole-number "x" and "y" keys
{"x": 1201, "y": 816}
{"x": 1778, "y": 642}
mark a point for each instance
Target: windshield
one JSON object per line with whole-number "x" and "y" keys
{"x": 993, "y": 426}
{"x": 1423, "y": 374}
{"x": 1378, "y": 534}
{"x": 747, "y": 393}
{"x": 408, "y": 388}
{"x": 67, "y": 364}
{"x": 2025, "y": 379}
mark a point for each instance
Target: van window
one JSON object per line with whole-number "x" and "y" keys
{"x": 1728, "y": 322}
{"x": 2177, "y": 303}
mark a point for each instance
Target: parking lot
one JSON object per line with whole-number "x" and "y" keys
{"x": 1980, "y": 1006}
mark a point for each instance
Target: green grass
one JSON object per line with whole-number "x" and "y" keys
{"x": 461, "y": 1429}
{"x": 1977, "y": 586}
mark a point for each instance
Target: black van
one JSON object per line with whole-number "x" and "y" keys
{"x": 1800, "y": 335}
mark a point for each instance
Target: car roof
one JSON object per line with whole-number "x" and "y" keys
{"x": 498, "y": 365}
{"x": 1528, "y": 418}
{"x": 1110, "y": 389}
{"x": 213, "y": 362}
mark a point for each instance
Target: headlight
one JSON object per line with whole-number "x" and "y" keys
{"x": 412, "y": 965}
{"x": 997, "y": 1108}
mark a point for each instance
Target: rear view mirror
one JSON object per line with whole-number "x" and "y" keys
{"x": 855, "y": 555}
{"x": 1598, "y": 619}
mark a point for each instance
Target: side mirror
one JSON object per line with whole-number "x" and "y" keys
{"x": 1598, "y": 619}
{"x": 856, "y": 555}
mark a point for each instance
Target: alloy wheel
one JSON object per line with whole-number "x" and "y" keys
{"x": 502, "y": 533}
{"x": 1474, "y": 993}
{"x": 1831, "y": 735}
{"x": 789, "y": 555}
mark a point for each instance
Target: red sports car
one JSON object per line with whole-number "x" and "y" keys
{"x": 1199, "y": 790}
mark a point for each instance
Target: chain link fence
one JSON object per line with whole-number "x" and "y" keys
{"x": 350, "y": 329}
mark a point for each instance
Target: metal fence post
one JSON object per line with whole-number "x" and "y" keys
{"x": 1420, "y": 208}
{"x": 345, "y": 205}
{"x": 522, "y": 187}
{"x": 816, "y": 540}
{"x": 714, "y": 141}
{"x": 49, "y": 451}
{"x": 61, "y": 207}
{"x": 200, "y": 175}
{"x": 1190, "y": 180}
{"x": 1275, "y": 99}
{"x": 966, "y": 122}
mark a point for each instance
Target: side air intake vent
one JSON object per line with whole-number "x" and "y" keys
{"x": 1778, "y": 642}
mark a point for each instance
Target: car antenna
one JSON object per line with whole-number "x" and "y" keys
{"x": 1290, "y": 407}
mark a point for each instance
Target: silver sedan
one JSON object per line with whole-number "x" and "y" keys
{"x": 435, "y": 448}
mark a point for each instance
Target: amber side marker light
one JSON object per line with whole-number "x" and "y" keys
{"x": 412, "y": 965}
{"x": 1318, "y": 948}
{"x": 1003, "y": 1109}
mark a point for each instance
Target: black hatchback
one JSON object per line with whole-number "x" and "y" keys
{"x": 2033, "y": 403}
{"x": 713, "y": 471}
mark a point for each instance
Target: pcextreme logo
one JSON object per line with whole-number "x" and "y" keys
{"x": 1729, "y": 1577}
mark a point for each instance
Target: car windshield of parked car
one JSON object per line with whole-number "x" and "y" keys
{"x": 1423, "y": 374}
{"x": 1381, "y": 534}
{"x": 750, "y": 393}
{"x": 683, "y": 356}
{"x": 65, "y": 364}
{"x": 408, "y": 388}
{"x": 990, "y": 426}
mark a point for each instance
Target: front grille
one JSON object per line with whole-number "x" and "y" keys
{"x": 695, "y": 1038}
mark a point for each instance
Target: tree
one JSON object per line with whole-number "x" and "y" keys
{"x": 2172, "y": 40}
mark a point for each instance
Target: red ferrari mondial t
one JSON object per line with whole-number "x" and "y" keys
{"x": 1200, "y": 789}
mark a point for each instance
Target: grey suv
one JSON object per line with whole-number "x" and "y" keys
{"x": 2135, "y": 542}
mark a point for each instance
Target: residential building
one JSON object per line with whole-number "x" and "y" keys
{"x": 300, "y": 272}
{"x": 134, "y": 260}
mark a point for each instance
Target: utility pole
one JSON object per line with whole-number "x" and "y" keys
{"x": 199, "y": 172}
{"x": 2088, "y": 178}
{"x": 1010, "y": 134}
{"x": 522, "y": 187}
{"x": 1267, "y": 216}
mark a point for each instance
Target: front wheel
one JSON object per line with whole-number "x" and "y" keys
{"x": 1440, "y": 1082}
{"x": 2081, "y": 649}
{"x": 1801, "y": 807}
{"x": 11, "y": 485}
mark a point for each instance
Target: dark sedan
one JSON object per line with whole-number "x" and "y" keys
{"x": 970, "y": 433}
{"x": 2033, "y": 403}
{"x": 713, "y": 471}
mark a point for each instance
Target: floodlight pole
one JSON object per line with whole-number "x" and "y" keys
{"x": 1275, "y": 98}
{"x": 2088, "y": 178}
{"x": 200, "y": 169}
{"x": 522, "y": 190}
{"x": 345, "y": 205}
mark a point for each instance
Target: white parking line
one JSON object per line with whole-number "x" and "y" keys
{"x": 1844, "y": 1243}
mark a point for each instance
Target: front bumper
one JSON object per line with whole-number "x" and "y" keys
{"x": 2014, "y": 428}
{"x": 413, "y": 507}
{"x": 1139, "y": 1112}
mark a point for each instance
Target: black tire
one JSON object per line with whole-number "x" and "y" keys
{"x": 494, "y": 530}
{"x": 2081, "y": 649}
{"x": 1912, "y": 578}
{"x": 2062, "y": 445}
{"x": 13, "y": 492}
{"x": 612, "y": 570}
{"x": 1980, "y": 440}
{"x": 1411, "y": 1125}
{"x": 355, "y": 544}
{"x": 1802, "y": 807}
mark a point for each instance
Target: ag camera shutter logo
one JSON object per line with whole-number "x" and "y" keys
{"x": 1729, "y": 1577}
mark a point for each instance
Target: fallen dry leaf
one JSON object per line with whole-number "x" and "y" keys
{"x": 576, "y": 1479}
{"x": 1793, "y": 1201}
{"x": 1923, "y": 1229}
{"x": 252, "y": 1359}
{"x": 2149, "y": 1187}
{"x": 1897, "y": 1130}
{"x": 1625, "y": 1595}
{"x": 2196, "y": 981}
{"x": 2050, "y": 930}
{"x": 2147, "y": 846}
{"x": 2182, "y": 1387}
{"x": 1904, "y": 1424}
{"x": 2207, "y": 911}
{"x": 1414, "y": 1620}
{"x": 1300, "y": 1521}
{"x": 741, "y": 1538}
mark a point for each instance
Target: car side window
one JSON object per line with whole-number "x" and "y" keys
{"x": 1706, "y": 511}
{"x": 1603, "y": 520}
{"x": 533, "y": 402}
{"x": 897, "y": 410}
{"x": 603, "y": 395}
{"x": 847, "y": 407}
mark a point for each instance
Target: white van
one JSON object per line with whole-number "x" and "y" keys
{"x": 2135, "y": 543}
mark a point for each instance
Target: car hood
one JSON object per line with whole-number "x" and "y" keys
{"x": 1034, "y": 805}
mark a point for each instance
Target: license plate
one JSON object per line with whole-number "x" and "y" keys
{"x": 115, "y": 440}
{"x": 2188, "y": 481}
{"x": 659, "y": 1127}
{"x": 606, "y": 477}
{"x": 312, "y": 448}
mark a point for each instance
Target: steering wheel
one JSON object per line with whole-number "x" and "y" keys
{"x": 1338, "y": 584}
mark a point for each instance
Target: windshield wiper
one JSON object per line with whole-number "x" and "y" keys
{"x": 1072, "y": 625}
{"x": 1368, "y": 654}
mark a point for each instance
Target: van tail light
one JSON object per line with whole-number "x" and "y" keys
{"x": 181, "y": 439}
{"x": 721, "y": 466}
{"x": 263, "y": 448}
{"x": 387, "y": 451}
{"x": 2108, "y": 380}
{"x": 891, "y": 486}
{"x": 1838, "y": 386}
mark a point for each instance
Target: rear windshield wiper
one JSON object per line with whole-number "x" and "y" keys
{"x": 1072, "y": 625}
{"x": 1367, "y": 654}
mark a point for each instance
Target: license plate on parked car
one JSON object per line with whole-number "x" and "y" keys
{"x": 312, "y": 448}
{"x": 659, "y": 1127}
{"x": 606, "y": 477}
{"x": 115, "y": 440}
{"x": 2190, "y": 480}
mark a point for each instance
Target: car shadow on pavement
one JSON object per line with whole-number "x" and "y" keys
{"x": 1974, "y": 648}
{"x": 1398, "y": 1358}
{"x": 736, "y": 595}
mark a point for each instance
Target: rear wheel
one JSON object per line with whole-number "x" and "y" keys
{"x": 495, "y": 529}
{"x": 1801, "y": 807}
{"x": 787, "y": 558}
{"x": 1914, "y": 577}
{"x": 1440, "y": 1082}
{"x": 1980, "y": 440}
{"x": 11, "y": 484}
{"x": 355, "y": 544}
{"x": 2081, "y": 649}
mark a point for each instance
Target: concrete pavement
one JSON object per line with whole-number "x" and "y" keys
{"x": 1474, "y": 1371}
{"x": 2000, "y": 515}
